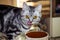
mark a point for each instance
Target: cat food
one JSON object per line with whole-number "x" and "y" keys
{"x": 36, "y": 34}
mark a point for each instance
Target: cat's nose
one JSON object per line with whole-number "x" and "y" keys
{"x": 30, "y": 21}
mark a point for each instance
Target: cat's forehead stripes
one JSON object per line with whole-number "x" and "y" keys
{"x": 31, "y": 11}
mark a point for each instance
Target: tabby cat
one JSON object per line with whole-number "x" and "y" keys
{"x": 14, "y": 20}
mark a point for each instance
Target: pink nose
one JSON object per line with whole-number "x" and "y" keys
{"x": 29, "y": 21}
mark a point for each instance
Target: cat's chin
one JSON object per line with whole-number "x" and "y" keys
{"x": 28, "y": 25}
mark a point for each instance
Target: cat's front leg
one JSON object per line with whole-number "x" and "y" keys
{"x": 19, "y": 37}
{"x": 3, "y": 36}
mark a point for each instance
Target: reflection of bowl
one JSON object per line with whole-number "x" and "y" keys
{"x": 37, "y": 36}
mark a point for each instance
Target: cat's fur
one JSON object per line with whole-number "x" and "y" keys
{"x": 13, "y": 19}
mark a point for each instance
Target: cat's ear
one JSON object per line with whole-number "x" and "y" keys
{"x": 25, "y": 6}
{"x": 39, "y": 8}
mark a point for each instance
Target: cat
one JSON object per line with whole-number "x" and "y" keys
{"x": 14, "y": 20}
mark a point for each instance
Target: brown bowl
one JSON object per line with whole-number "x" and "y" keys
{"x": 36, "y": 34}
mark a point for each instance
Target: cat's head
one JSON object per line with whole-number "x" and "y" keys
{"x": 31, "y": 15}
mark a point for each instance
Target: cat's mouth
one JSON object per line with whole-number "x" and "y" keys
{"x": 29, "y": 23}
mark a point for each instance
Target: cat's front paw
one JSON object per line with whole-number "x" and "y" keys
{"x": 20, "y": 37}
{"x": 3, "y": 36}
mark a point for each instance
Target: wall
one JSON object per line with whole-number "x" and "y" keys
{"x": 55, "y": 27}
{"x": 6, "y": 2}
{"x": 9, "y": 2}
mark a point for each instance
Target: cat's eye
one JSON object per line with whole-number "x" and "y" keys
{"x": 27, "y": 16}
{"x": 34, "y": 17}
